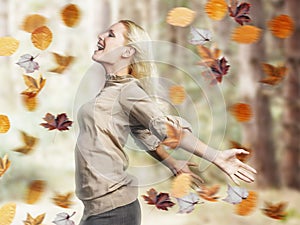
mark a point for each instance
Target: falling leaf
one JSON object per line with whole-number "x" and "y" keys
{"x": 70, "y": 15}
{"x": 41, "y": 37}
{"x": 247, "y": 206}
{"x": 235, "y": 194}
{"x": 246, "y": 34}
{"x": 161, "y": 201}
{"x": 61, "y": 122}
{"x": 187, "y": 203}
{"x": 216, "y": 9}
{"x": 26, "y": 62}
{"x": 242, "y": 157}
{"x": 35, "y": 190}
{"x": 239, "y": 12}
{"x": 274, "y": 74}
{"x": 180, "y": 16}
{"x": 31, "y": 22}
{"x": 219, "y": 69}
{"x": 8, "y": 46}
{"x": 30, "y": 102}
{"x": 174, "y": 136}
{"x": 181, "y": 185}
{"x": 176, "y": 94}
{"x": 275, "y": 211}
{"x": 7, "y": 213}
{"x": 29, "y": 143}
{"x": 199, "y": 36}
{"x": 63, "y": 219}
{"x": 4, "y": 123}
{"x": 209, "y": 56}
{"x": 34, "y": 221}
{"x": 34, "y": 86}
{"x": 282, "y": 26}
{"x": 209, "y": 193}
{"x": 62, "y": 61}
{"x": 242, "y": 112}
{"x": 63, "y": 200}
{"x": 4, "y": 164}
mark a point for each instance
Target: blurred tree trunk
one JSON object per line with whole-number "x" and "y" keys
{"x": 291, "y": 115}
{"x": 258, "y": 132}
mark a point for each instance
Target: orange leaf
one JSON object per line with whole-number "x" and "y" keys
{"x": 70, "y": 15}
{"x": 63, "y": 200}
{"x": 247, "y": 205}
{"x": 32, "y": 22}
{"x": 274, "y": 74}
{"x": 177, "y": 94}
{"x": 62, "y": 61}
{"x": 216, "y": 9}
{"x": 275, "y": 211}
{"x": 4, "y": 124}
{"x": 34, "y": 86}
{"x": 242, "y": 112}
{"x": 4, "y": 165}
{"x": 173, "y": 136}
{"x": 41, "y": 37}
{"x": 209, "y": 55}
{"x": 246, "y": 34}
{"x": 181, "y": 185}
{"x": 30, "y": 103}
{"x": 208, "y": 193}
{"x": 8, "y": 46}
{"x": 35, "y": 190}
{"x": 180, "y": 16}
{"x": 7, "y": 213}
{"x": 282, "y": 26}
{"x": 242, "y": 157}
{"x": 34, "y": 221}
{"x": 29, "y": 143}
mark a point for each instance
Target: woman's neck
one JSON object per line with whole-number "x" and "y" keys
{"x": 110, "y": 69}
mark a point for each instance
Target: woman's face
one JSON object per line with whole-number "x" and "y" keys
{"x": 110, "y": 44}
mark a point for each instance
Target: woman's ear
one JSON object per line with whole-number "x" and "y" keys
{"x": 128, "y": 52}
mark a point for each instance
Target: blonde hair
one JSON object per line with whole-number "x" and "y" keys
{"x": 141, "y": 65}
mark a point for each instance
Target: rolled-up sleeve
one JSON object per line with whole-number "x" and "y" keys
{"x": 152, "y": 130}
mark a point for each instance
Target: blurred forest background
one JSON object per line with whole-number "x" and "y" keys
{"x": 272, "y": 133}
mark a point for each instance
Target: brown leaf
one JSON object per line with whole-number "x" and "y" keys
{"x": 62, "y": 61}
{"x": 274, "y": 74}
{"x": 4, "y": 165}
{"x": 161, "y": 200}
{"x": 275, "y": 211}
{"x": 29, "y": 143}
{"x": 4, "y": 124}
{"x": 282, "y": 26}
{"x": 8, "y": 46}
{"x": 31, "y": 22}
{"x": 61, "y": 122}
{"x": 70, "y": 15}
{"x": 34, "y": 221}
{"x": 63, "y": 200}
{"x": 216, "y": 9}
{"x": 180, "y": 16}
{"x": 41, "y": 37}
{"x": 208, "y": 193}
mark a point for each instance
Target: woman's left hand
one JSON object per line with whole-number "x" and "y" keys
{"x": 227, "y": 161}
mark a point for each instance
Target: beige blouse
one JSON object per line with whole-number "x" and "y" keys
{"x": 121, "y": 108}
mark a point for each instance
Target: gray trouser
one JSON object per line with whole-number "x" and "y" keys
{"x": 125, "y": 215}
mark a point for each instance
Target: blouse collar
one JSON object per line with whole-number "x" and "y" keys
{"x": 114, "y": 77}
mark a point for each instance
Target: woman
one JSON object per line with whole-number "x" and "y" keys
{"x": 121, "y": 108}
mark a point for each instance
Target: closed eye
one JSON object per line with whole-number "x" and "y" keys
{"x": 111, "y": 34}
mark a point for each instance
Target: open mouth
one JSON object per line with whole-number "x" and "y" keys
{"x": 100, "y": 46}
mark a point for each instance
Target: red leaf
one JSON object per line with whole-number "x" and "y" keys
{"x": 220, "y": 68}
{"x": 161, "y": 201}
{"x": 61, "y": 122}
{"x": 240, "y": 12}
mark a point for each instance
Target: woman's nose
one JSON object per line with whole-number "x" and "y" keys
{"x": 101, "y": 36}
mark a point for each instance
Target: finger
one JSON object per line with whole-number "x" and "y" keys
{"x": 242, "y": 151}
{"x": 249, "y": 168}
{"x": 192, "y": 164}
{"x": 242, "y": 177}
{"x": 197, "y": 178}
{"x": 246, "y": 174}
{"x": 234, "y": 179}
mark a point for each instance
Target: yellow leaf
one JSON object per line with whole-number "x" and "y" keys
{"x": 70, "y": 15}
{"x": 216, "y": 9}
{"x": 63, "y": 200}
{"x": 180, "y": 16}
{"x": 246, "y": 34}
{"x": 41, "y": 37}
{"x": 30, "y": 103}
{"x": 62, "y": 61}
{"x": 177, "y": 94}
{"x": 8, "y": 46}
{"x": 181, "y": 185}
{"x": 7, "y": 213}
{"x": 4, "y": 124}
{"x": 34, "y": 86}
{"x": 34, "y": 221}
{"x": 31, "y": 22}
{"x": 35, "y": 190}
{"x": 4, "y": 165}
{"x": 29, "y": 143}
{"x": 247, "y": 205}
{"x": 282, "y": 26}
